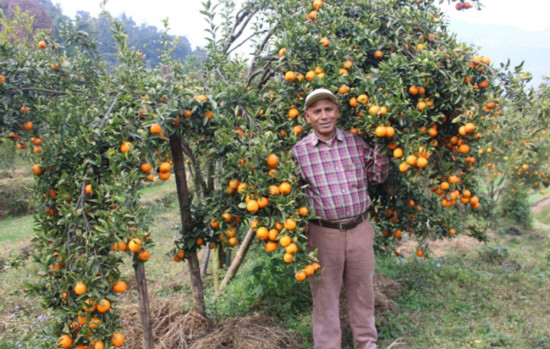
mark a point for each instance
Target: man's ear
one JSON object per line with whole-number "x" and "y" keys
{"x": 306, "y": 115}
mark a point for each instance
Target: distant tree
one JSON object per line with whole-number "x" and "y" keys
{"x": 34, "y": 9}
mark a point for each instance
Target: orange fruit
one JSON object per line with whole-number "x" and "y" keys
{"x": 309, "y": 270}
{"x": 300, "y": 276}
{"x": 262, "y": 201}
{"x": 80, "y": 288}
{"x": 262, "y": 233}
{"x": 421, "y": 162}
{"x": 164, "y": 175}
{"x": 165, "y": 167}
{"x": 201, "y": 98}
{"x": 292, "y": 248}
{"x": 285, "y": 240}
{"x": 413, "y": 90}
{"x": 144, "y": 255}
{"x": 214, "y": 223}
{"x": 135, "y": 245}
{"x": 120, "y": 286}
{"x": 37, "y": 169}
{"x": 419, "y": 252}
{"x": 290, "y": 224}
{"x": 272, "y": 161}
{"x": 380, "y": 131}
{"x": 343, "y": 89}
{"x": 89, "y": 306}
{"x": 285, "y": 188}
{"x": 270, "y": 246}
{"x": 42, "y": 44}
{"x": 273, "y": 233}
{"x": 125, "y": 147}
{"x": 227, "y": 217}
{"x": 317, "y": 4}
{"x": 28, "y": 126}
{"x": 98, "y": 344}
{"x": 241, "y": 188}
{"x": 324, "y": 41}
{"x": 65, "y": 341}
{"x": 88, "y": 189}
{"x": 390, "y": 131}
{"x": 297, "y": 130}
{"x": 464, "y": 148}
{"x": 145, "y": 167}
{"x": 230, "y": 233}
{"x": 288, "y": 257}
{"x": 156, "y": 129}
{"x": 411, "y": 160}
{"x": 103, "y": 305}
{"x": 398, "y": 153}
{"x": 252, "y": 206}
{"x": 303, "y": 211}
{"x": 199, "y": 241}
{"x": 274, "y": 190}
{"x": 2, "y": 79}
{"x": 293, "y": 113}
{"x": 290, "y": 75}
{"x": 403, "y": 167}
{"x": 233, "y": 241}
{"x": 378, "y": 55}
{"x": 117, "y": 339}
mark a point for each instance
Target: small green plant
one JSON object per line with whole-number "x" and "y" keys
{"x": 514, "y": 207}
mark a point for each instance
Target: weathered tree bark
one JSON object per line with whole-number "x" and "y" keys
{"x": 185, "y": 214}
{"x": 238, "y": 259}
{"x": 144, "y": 312}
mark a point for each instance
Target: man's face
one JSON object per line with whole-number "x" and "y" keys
{"x": 322, "y": 116}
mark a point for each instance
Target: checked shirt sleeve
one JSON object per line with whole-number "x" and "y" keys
{"x": 377, "y": 166}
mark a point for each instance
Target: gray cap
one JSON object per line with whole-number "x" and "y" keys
{"x": 318, "y": 94}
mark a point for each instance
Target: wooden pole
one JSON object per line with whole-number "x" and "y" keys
{"x": 144, "y": 311}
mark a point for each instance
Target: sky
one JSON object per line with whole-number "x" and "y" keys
{"x": 528, "y": 17}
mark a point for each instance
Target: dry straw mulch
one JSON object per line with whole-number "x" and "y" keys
{"x": 175, "y": 328}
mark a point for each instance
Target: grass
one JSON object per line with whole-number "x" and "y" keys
{"x": 492, "y": 296}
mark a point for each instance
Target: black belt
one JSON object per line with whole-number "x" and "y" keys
{"x": 341, "y": 225}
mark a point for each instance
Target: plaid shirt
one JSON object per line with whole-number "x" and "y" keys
{"x": 338, "y": 173}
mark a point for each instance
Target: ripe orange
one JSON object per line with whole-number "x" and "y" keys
{"x": 80, "y": 288}
{"x": 88, "y": 189}
{"x": 2, "y": 79}
{"x": 309, "y": 270}
{"x": 398, "y": 153}
{"x": 135, "y": 245}
{"x": 273, "y": 233}
{"x": 421, "y": 162}
{"x": 89, "y": 306}
{"x": 303, "y": 211}
{"x": 98, "y": 345}
{"x": 165, "y": 167}
{"x": 317, "y": 4}
{"x": 214, "y": 223}
{"x": 290, "y": 75}
{"x": 343, "y": 89}
{"x": 120, "y": 286}
{"x": 37, "y": 169}
{"x": 288, "y": 257}
{"x": 285, "y": 188}
{"x": 411, "y": 160}
{"x": 103, "y": 305}
{"x": 145, "y": 167}
{"x": 270, "y": 246}
{"x": 230, "y": 233}
{"x": 285, "y": 240}
{"x": 413, "y": 90}
{"x": 310, "y": 75}
{"x": 199, "y": 241}
{"x": 201, "y": 98}
{"x": 42, "y": 44}
{"x": 378, "y": 55}
{"x": 292, "y": 248}
{"x": 374, "y": 110}
{"x": 272, "y": 161}
{"x": 293, "y": 113}
{"x": 241, "y": 188}
{"x": 125, "y": 147}
{"x": 262, "y": 201}
{"x": 274, "y": 190}
{"x": 233, "y": 242}
{"x": 144, "y": 255}
{"x": 464, "y": 148}
{"x": 403, "y": 167}
{"x": 262, "y": 233}
{"x": 290, "y": 224}
{"x": 252, "y": 206}
{"x": 390, "y": 131}
{"x": 28, "y": 126}
{"x": 227, "y": 217}
{"x": 301, "y": 276}
{"x": 397, "y": 233}
{"x": 117, "y": 339}
{"x": 297, "y": 130}
{"x": 324, "y": 41}
{"x": 65, "y": 341}
{"x": 419, "y": 252}
{"x": 282, "y": 52}
{"x": 363, "y": 98}
{"x": 156, "y": 129}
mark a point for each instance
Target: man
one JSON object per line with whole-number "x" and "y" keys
{"x": 338, "y": 166}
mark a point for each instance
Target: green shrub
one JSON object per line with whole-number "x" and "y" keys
{"x": 514, "y": 207}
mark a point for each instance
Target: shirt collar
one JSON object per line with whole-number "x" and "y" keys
{"x": 315, "y": 139}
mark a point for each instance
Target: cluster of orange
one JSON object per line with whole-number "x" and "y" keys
{"x": 90, "y": 318}
{"x": 135, "y": 245}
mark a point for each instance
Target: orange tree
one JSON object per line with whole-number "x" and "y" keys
{"x": 404, "y": 82}
{"x": 83, "y": 130}
{"x": 516, "y": 152}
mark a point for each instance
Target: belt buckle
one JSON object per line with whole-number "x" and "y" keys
{"x": 341, "y": 226}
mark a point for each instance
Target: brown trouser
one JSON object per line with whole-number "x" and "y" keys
{"x": 348, "y": 256}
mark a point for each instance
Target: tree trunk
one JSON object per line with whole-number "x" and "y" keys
{"x": 144, "y": 312}
{"x": 185, "y": 214}
{"x": 238, "y": 259}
